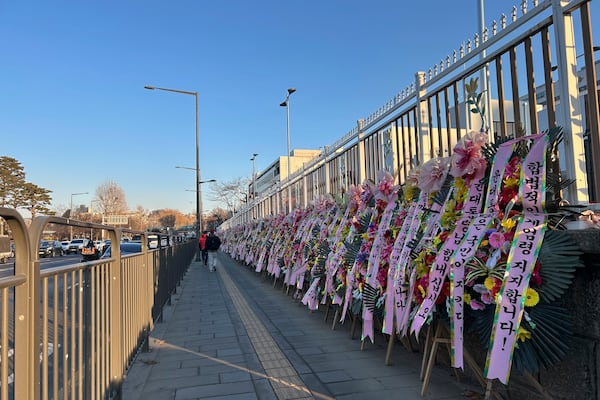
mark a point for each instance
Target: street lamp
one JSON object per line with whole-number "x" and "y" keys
{"x": 286, "y": 104}
{"x": 200, "y": 197}
{"x": 253, "y": 179}
{"x": 253, "y": 176}
{"x": 195, "y": 94}
{"x": 71, "y": 210}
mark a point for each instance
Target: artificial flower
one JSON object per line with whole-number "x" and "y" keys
{"x": 523, "y": 334}
{"x": 468, "y": 158}
{"x": 532, "y": 298}
{"x": 496, "y": 240}
{"x": 432, "y": 174}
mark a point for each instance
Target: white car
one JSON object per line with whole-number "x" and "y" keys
{"x": 65, "y": 246}
{"x": 76, "y": 245}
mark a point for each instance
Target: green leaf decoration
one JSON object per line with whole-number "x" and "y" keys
{"x": 352, "y": 249}
{"x": 559, "y": 257}
{"x": 370, "y": 297}
{"x": 442, "y": 194}
{"x": 550, "y": 324}
{"x": 356, "y": 307}
{"x": 549, "y": 339}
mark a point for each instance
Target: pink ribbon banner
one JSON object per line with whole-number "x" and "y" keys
{"x": 373, "y": 265}
{"x": 520, "y": 263}
{"x": 388, "y": 322}
{"x": 441, "y": 266}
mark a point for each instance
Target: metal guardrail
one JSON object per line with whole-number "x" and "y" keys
{"x": 71, "y": 332}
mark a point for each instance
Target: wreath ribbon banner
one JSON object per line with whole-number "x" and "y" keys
{"x": 520, "y": 263}
{"x": 388, "y": 322}
{"x": 477, "y": 229}
{"x": 441, "y": 266}
{"x": 404, "y": 281}
{"x": 374, "y": 262}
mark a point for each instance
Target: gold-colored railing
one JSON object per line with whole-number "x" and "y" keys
{"x": 70, "y": 332}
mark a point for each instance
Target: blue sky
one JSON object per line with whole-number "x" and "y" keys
{"x": 74, "y": 112}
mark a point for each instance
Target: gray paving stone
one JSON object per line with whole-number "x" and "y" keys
{"x": 203, "y": 321}
{"x": 237, "y": 376}
{"x": 207, "y": 391}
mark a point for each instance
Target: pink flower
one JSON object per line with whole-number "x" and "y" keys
{"x": 476, "y": 305}
{"x": 433, "y": 173}
{"x": 467, "y": 158}
{"x": 496, "y": 240}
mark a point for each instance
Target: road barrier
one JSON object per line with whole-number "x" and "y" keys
{"x": 72, "y": 331}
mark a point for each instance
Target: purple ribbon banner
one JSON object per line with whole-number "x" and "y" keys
{"x": 521, "y": 261}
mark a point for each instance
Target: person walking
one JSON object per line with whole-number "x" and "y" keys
{"x": 213, "y": 242}
{"x": 202, "y": 245}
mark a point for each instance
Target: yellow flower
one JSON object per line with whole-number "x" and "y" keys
{"x": 467, "y": 298}
{"x": 423, "y": 293}
{"x": 511, "y": 182}
{"x": 448, "y": 218}
{"x": 508, "y": 224}
{"x": 489, "y": 283}
{"x": 523, "y": 334}
{"x": 422, "y": 269}
{"x": 484, "y": 242}
{"x": 532, "y": 298}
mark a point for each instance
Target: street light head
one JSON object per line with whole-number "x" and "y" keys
{"x": 283, "y": 104}
{"x": 254, "y": 155}
{"x": 149, "y": 87}
{"x": 291, "y": 90}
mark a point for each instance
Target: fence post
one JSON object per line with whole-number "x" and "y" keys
{"x": 423, "y": 128}
{"x": 569, "y": 109}
{"x": 361, "y": 151}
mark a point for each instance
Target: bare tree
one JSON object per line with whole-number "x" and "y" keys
{"x": 228, "y": 193}
{"x": 112, "y": 198}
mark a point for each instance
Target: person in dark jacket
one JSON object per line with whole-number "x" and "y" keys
{"x": 213, "y": 242}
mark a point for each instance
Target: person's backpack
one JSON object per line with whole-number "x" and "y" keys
{"x": 213, "y": 242}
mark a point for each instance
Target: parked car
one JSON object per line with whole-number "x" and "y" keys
{"x": 76, "y": 245}
{"x": 65, "y": 246}
{"x": 126, "y": 248}
{"x": 5, "y": 249}
{"x": 50, "y": 248}
{"x": 105, "y": 245}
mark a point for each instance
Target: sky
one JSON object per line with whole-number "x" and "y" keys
{"x": 75, "y": 114}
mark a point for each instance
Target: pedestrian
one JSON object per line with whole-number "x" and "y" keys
{"x": 202, "y": 244}
{"x": 212, "y": 245}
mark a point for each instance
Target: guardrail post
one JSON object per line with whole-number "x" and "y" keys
{"x": 26, "y": 310}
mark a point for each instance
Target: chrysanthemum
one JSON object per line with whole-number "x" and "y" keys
{"x": 532, "y": 298}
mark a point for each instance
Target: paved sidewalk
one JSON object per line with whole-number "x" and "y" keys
{"x": 230, "y": 335}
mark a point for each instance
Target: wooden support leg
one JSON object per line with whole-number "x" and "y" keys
{"x": 426, "y": 348}
{"x": 352, "y": 328}
{"x": 431, "y": 360}
{"x": 335, "y": 317}
{"x": 390, "y": 346}
{"x": 327, "y": 306}
{"x": 488, "y": 389}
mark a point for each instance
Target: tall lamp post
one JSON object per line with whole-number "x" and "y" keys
{"x": 286, "y": 104}
{"x": 195, "y": 94}
{"x": 201, "y": 211}
{"x": 71, "y": 210}
{"x": 253, "y": 159}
